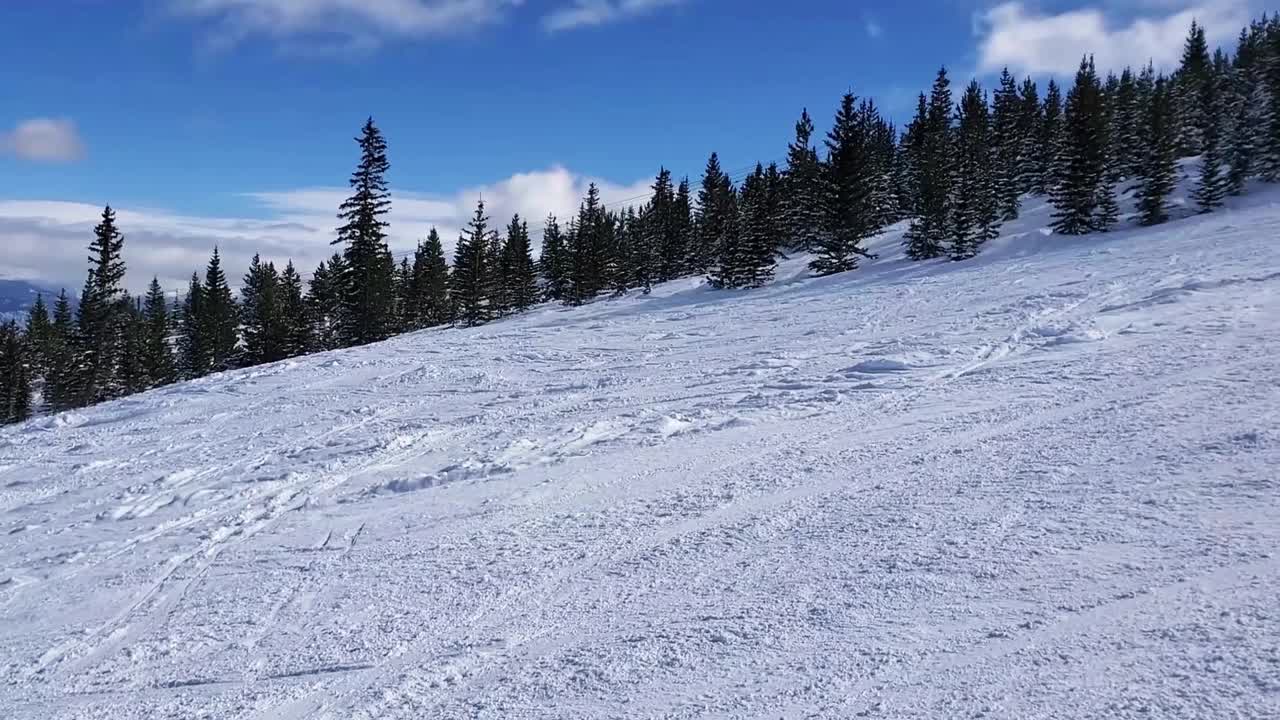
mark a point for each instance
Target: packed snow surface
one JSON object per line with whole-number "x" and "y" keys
{"x": 1043, "y": 483}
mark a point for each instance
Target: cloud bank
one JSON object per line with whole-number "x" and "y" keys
{"x": 46, "y": 140}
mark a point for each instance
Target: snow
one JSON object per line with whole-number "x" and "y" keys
{"x": 1038, "y": 484}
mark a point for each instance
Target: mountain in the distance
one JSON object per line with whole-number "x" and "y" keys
{"x": 17, "y": 297}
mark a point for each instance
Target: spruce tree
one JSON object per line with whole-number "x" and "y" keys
{"x": 157, "y": 355}
{"x": 1030, "y": 122}
{"x": 101, "y": 315}
{"x": 519, "y": 277}
{"x": 1268, "y": 141}
{"x": 1194, "y": 72}
{"x": 15, "y": 380}
{"x": 1212, "y": 185}
{"x": 260, "y": 315}
{"x": 757, "y": 245}
{"x": 663, "y": 247}
{"x": 367, "y": 281}
{"x": 976, "y": 204}
{"x": 850, "y": 180}
{"x": 472, "y": 271}
{"x": 1157, "y": 176}
{"x": 133, "y": 368}
{"x": 553, "y": 263}
{"x": 1050, "y": 139}
{"x": 682, "y": 217}
{"x": 194, "y": 344}
{"x": 324, "y": 303}
{"x": 926, "y": 237}
{"x": 37, "y": 336}
{"x": 803, "y": 204}
{"x": 1123, "y": 133}
{"x": 430, "y": 291}
{"x": 1080, "y": 167}
{"x": 219, "y": 317}
{"x": 1242, "y": 146}
{"x": 294, "y": 316}
{"x": 591, "y": 250}
{"x": 714, "y": 215}
{"x": 406, "y": 315}
{"x": 1007, "y": 146}
{"x": 60, "y": 358}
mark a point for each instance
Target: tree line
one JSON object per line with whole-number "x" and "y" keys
{"x": 955, "y": 173}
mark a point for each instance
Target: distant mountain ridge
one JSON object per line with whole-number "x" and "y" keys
{"x": 17, "y": 297}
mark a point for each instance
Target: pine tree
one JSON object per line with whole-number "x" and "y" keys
{"x": 553, "y": 263}
{"x": 133, "y": 369}
{"x": 1157, "y": 176}
{"x": 1007, "y": 145}
{"x": 324, "y": 303}
{"x": 37, "y": 336}
{"x": 926, "y": 236}
{"x": 803, "y": 203}
{"x": 15, "y": 380}
{"x": 406, "y": 314}
{"x": 1242, "y": 146}
{"x": 1268, "y": 142}
{"x": 1195, "y": 71}
{"x": 294, "y": 317}
{"x": 715, "y": 215}
{"x": 194, "y": 344}
{"x": 471, "y": 272}
{"x": 1123, "y": 135}
{"x": 157, "y": 355}
{"x": 850, "y": 183}
{"x": 519, "y": 277}
{"x": 367, "y": 282}
{"x": 590, "y": 250}
{"x": 682, "y": 217}
{"x": 219, "y": 317}
{"x": 260, "y": 315}
{"x": 976, "y": 202}
{"x": 60, "y": 358}
{"x": 663, "y": 248}
{"x": 430, "y": 291}
{"x": 1030, "y": 122}
{"x": 101, "y": 318}
{"x": 1050, "y": 139}
{"x": 756, "y": 256}
{"x": 1212, "y": 186}
{"x": 1081, "y": 163}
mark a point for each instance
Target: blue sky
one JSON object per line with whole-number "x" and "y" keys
{"x": 230, "y": 121}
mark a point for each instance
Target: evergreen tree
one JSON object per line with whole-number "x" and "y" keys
{"x": 663, "y": 248}
{"x": 554, "y": 262}
{"x": 519, "y": 277}
{"x": 1126, "y": 120}
{"x": 1157, "y": 176}
{"x": 472, "y": 271}
{"x": 324, "y": 303}
{"x": 1081, "y": 163}
{"x": 850, "y": 182}
{"x": 1195, "y": 71}
{"x": 1242, "y": 145}
{"x": 716, "y": 218}
{"x": 406, "y": 312}
{"x": 913, "y": 151}
{"x": 157, "y": 355}
{"x": 101, "y": 315}
{"x": 929, "y": 230}
{"x": 194, "y": 344}
{"x": 430, "y": 291}
{"x": 1050, "y": 138}
{"x": 804, "y": 210}
{"x": 590, "y": 250}
{"x": 682, "y": 217}
{"x": 976, "y": 203}
{"x": 296, "y": 336}
{"x": 1007, "y": 145}
{"x": 1212, "y": 186}
{"x": 133, "y": 369}
{"x": 60, "y": 358}
{"x": 752, "y": 257}
{"x": 368, "y": 279}
{"x": 1030, "y": 128}
{"x": 219, "y": 317}
{"x": 1268, "y": 141}
{"x": 15, "y": 380}
{"x": 264, "y": 339}
{"x": 37, "y": 336}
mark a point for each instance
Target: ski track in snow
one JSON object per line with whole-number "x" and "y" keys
{"x": 1040, "y": 480}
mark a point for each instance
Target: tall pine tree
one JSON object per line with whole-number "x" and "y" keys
{"x": 368, "y": 278}
{"x": 926, "y": 237}
{"x": 471, "y": 272}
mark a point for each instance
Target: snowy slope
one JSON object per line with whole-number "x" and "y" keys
{"x": 1040, "y": 484}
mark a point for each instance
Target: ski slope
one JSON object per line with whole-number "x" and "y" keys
{"x": 1041, "y": 484}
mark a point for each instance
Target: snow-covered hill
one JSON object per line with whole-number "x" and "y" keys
{"x": 1040, "y": 484}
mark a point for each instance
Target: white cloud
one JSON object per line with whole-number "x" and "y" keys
{"x": 590, "y": 13}
{"x": 45, "y": 240}
{"x": 874, "y": 29}
{"x": 352, "y": 23}
{"x": 44, "y": 140}
{"x": 1027, "y": 41}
